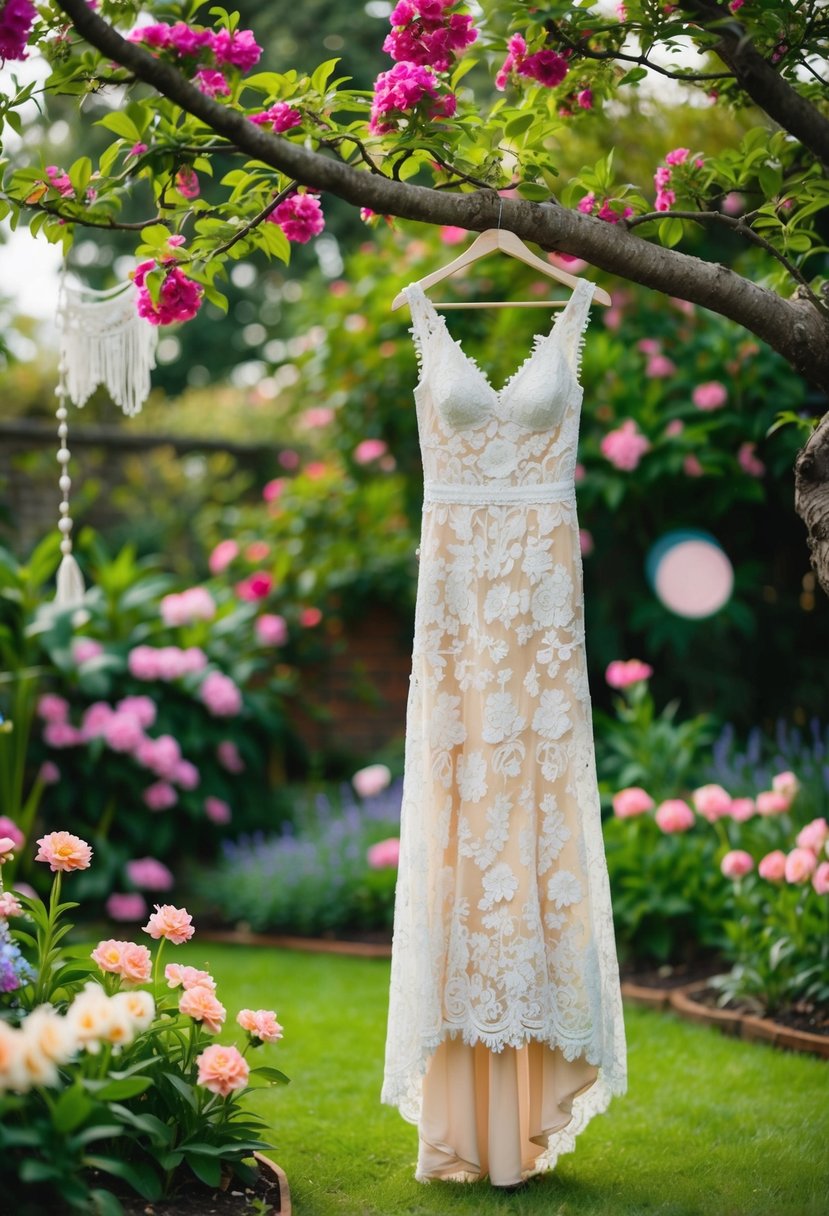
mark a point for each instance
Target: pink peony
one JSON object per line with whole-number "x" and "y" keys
{"x": 260, "y": 1024}
{"x": 143, "y": 709}
{"x": 225, "y": 552}
{"x": 384, "y": 855}
{"x": 368, "y": 450}
{"x": 202, "y": 1004}
{"x": 228, "y": 756}
{"x": 659, "y": 366}
{"x": 194, "y": 604}
{"x": 10, "y": 830}
{"x": 217, "y": 810}
{"x": 188, "y": 977}
{"x": 61, "y": 734}
{"x": 280, "y": 118}
{"x": 129, "y": 906}
{"x": 771, "y": 802}
{"x": 271, "y": 629}
{"x": 52, "y": 708}
{"x": 674, "y": 815}
{"x": 712, "y": 802}
{"x": 149, "y": 873}
{"x": 212, "y": 83}
{"x": 625, "y": 446}
{"x": 814, "y": 835}
{"x": 772, "y": 867}
{"x": 737, "y": 863}
{"x": 160, "y": 796}
{"x": 820, "y": 879}
{"x": 220, "y": 695}
{"x": 84, "y": 649}
{"x": 171, "y": 923}
{"x": 123, "y": 732}
{"x": 222, "y": 1070}
{"x": 300, "y": 217}
{"x": 256, "y": 586}
{"x": 631, "y": 801}
{"x": 622, "y": 673}
{"x": 237, "y": 50}
{"x": 370, "y": 781}
{"x": 800, "y": 865}
{"x": 709, "y": 396}
{"x": 742, "y": 809}
{"x": 63, "y": 851}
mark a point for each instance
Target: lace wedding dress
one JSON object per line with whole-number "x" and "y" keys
{"x": 505, "y": 1031}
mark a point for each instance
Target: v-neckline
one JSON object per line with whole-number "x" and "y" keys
{"x": 539, "y": 340}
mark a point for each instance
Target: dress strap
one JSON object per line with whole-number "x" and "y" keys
{"x": 573, "y": 323}
{"x": 423, "y": 325}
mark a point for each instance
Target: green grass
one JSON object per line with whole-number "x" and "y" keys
{"x": 709, "y": 1126}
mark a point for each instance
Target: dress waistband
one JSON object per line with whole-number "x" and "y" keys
{"x": 494, "y": 495}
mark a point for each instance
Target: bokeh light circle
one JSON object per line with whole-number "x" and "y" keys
{"x": 690, "y": 573}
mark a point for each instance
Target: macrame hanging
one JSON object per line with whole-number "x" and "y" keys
{"x": 104, "y": 341}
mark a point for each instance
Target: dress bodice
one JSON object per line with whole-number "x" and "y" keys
{"x": 505, "y": 444}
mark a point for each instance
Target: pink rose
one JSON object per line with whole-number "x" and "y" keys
{"x": 771, "y": 802}
{"x": 370, "y": 781}
{"x": 820, "y": 878}
{"x": 260, "y": 1024}
{"x": 800, "y": 865}
{"x": 123, "y": 732}
{"x": 625, "y": 446}
{"x": 271, "y": 630}
{"x": 674, "y": 815}
{"x": 143, "y": 709}
{"x": 52, "y": 708}
{"x": 737, "y": 863}
{"x": 220, "y": 695}
{"x": 225, "y": 552}
{"x": 129, "y": 906}
{"x": 622, "y": 673}
{"x": 228, "y": 756}
{"x": 786, "y": 784}
{"x": 256, "y": 586}
{"x": 742, "y": 809}
{"x": 149, "y": 873}
{"x": 814, "y": 835}
{"x": 709, "y": 396}
{"x": 202, "y": 1004}
{"x": 63, "y": 851}
{"x": 188, "y": 977}
{"x": 174, "y": 924}
{"x": 384, "y": 855}
{"x": 712, "y": 802}
{"x": 217, "y": 810}
{"x": 772, "y": 867}
{"x": 222, "y": 1070}
{"x": 631, "y": 801}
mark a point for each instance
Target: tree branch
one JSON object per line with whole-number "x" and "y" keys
{"x": 791, "y": 327}
{"x": 587, "y": 52}
{"x": 257, "y": 219}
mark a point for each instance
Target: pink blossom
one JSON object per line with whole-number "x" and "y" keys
{"x": 659, "y": 366}
{"x": 674, "y": 815}
{"x": 212, "y": 83}
{"x": 691, "y": 466}
{"x": 648, "y": 346}
{"x": 10, "y": 905}
{"x": 149, "y": 873}
{"x": 678, "y": 156}
{"x": 736, "y": 863}
{"x": 288, "y": 458}
{"x": 160, "y": 796}
{"x": 185, "y": 40}
{"x": 579, "y": 473}
{"x": 584, "y": 99}
{"x": 368, "y": 450}
{"x": 319, "y": 415}
{"x": 399, "y": 90}
{"x": 225, "y": 552}
{"x": 61, "y": 734}
{"x": 772, "y": 867}
{"x": 625, "y": 446}
{"x": 260, "y": 1024}
{"x": 814, "y": 835}
{"x": 546, "y": 66}
{"x": 675, "y": 427}
{"x": 217, "y": 810}
{"x": 238, "y": 50}
{"x": 661, "y": 177}
{"x": 271, "y": 629}
{"x": 220, "y": 695}
{"x": 586, "y": 545}
{"x": 734, "y": 6}
{"x": 63, "y": 851}
{"x": 123, "y": 732}
{"x": 228, "y": 756}
{"x": 280, "y": 118}
{"x": 185, "y": 775}
{"x": 733, "y": 203}
{"x": 52, "y": 708}
{"x": 450, "y": 234}
{"x": 309, "y": 617}
{"x": 174, "y": 924}
{"x": 161, "y": 756}
{"x": 385, "y": 855}
{"x": 587, "y": 204}
{"x": 748, "y": 461}
{"x": 820, "y": 879}
{"x": 222, "y": 1070}
{"x": 202, "y": 1004}
{"x": 770, "y": 802}
{"x": 187, "y": 182}
{"x": 142, "y": 662}
{"x": 256, "y": 586}
{"x": 84, "y": 649}
{"x": 300, "y": 217}
{"x": 142, "y": 708}
{"x": 785, "y": 783}
{"x": 156, "y": 35}
{"x": 712, "y": 802}
{"x": 622, "y": 673}
{"x": 631, "y": 801}
{"x": 96, "y": 719}
{"x": 800, "y": 865}
{"x": 16, "y": 20}
{"x": 48, "y": 773}
{"x": 188, "y": 977}
{"x": 194, "y": 604}
{"x": 371, "y": 781}
{"x": 273, "y": 490}
{"x": 126, "y": 906}
{"x": 10, "y": 831}
{"x": 59, "y": 180}
{"x": 179, "y": 298}
{"x": 709, "y": 396}
{"x": 137, "y": 150}
{"x": 742, "y": 809}
{"x": 665, "y": 199}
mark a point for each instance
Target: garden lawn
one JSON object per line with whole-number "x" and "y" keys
{"x": 709, "y": 1126}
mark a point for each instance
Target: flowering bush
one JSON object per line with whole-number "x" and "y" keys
{"x": 335, "y": 871}
{"x": 107, "y": 1070}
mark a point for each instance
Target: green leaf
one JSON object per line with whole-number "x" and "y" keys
{"x": 271, "y": 1074}
{"x": 321, "y": 75}
{"x": 155, "y": 235}
{"x": 207, "y": 1169}
{"x": 104, "y": 1203}
{"x": 129, "y": 1087}
{"x": 634, "y": 76}
{"x": 520, "y": 124}
{"x": 71, "y": 1108}
{"x": 121, "y": 124}
{"x": 141, "y": 1176}
{"x": 32, "y": 1169}
{"x": 670, "y": 232}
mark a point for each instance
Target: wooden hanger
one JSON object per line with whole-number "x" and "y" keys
{"x": 490, "y": 241}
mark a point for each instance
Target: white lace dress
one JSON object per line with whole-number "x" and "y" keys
{"x": 505, "y": 1031}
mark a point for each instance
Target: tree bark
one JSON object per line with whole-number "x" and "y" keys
{"x": 811, "y": 498}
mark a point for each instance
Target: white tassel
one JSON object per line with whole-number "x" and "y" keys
{"x": 70, "y": 583}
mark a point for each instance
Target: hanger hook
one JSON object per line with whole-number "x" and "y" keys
{"x": 500, "y": 210}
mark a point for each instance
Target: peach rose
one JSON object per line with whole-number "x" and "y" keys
{"x": 260, "y": 1023}
{"x": 222, "y": 1069}
{"x": 136, "y": 964}
{"x": 174, "y": 924}
{"x": 631, "y": 801}
{"x": 200, "y": 1003}
{"x": 108, "y": 955}
{"x": 737, "y": 863}
{"x": 188, "y": 977}
{"x": 820, "y": 878}
{"x": 772, "y": 867}
{"x": 674, "y": 815}
{"x": 800, "y": 865}
{"x": 63, "y": 851}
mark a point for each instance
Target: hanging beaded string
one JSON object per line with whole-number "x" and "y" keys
{"x": 70, "y": 586}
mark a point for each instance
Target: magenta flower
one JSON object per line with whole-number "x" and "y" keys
{"x": 625, "y": 446}
{"x": 300, "y": 217}
{"x": 149, "y": 873}
{"x": 179, "y": 299}
{"x": 584, "y": 98}
{"x": 256, "y": 586}
{"x": 16, "y": 20}
{"x": 622, "y": 673}
{"x": 187, "y": 182}
{"x": 270, "y": 493}
{"x": 678, "y": 156}
{"x": 280, "y": 118}
{"x": 546, "y": 66}
{"x": 398, "y": 91}
{"x": 156, "y": 35}
{"x": 217, "y": 810}
{"x": 238, "y": 50}
{"x": 194, "y": 604}
{"x": 212, "y": 82}
{"x": 587, "y": 204}
{"x": 59, "y": 180}
{"x": 665, "y": 199}
{"x": 368, "y": 450}
{"x": 185, "y": 40}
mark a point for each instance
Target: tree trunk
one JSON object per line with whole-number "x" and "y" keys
{"x": 811, "y": 498}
